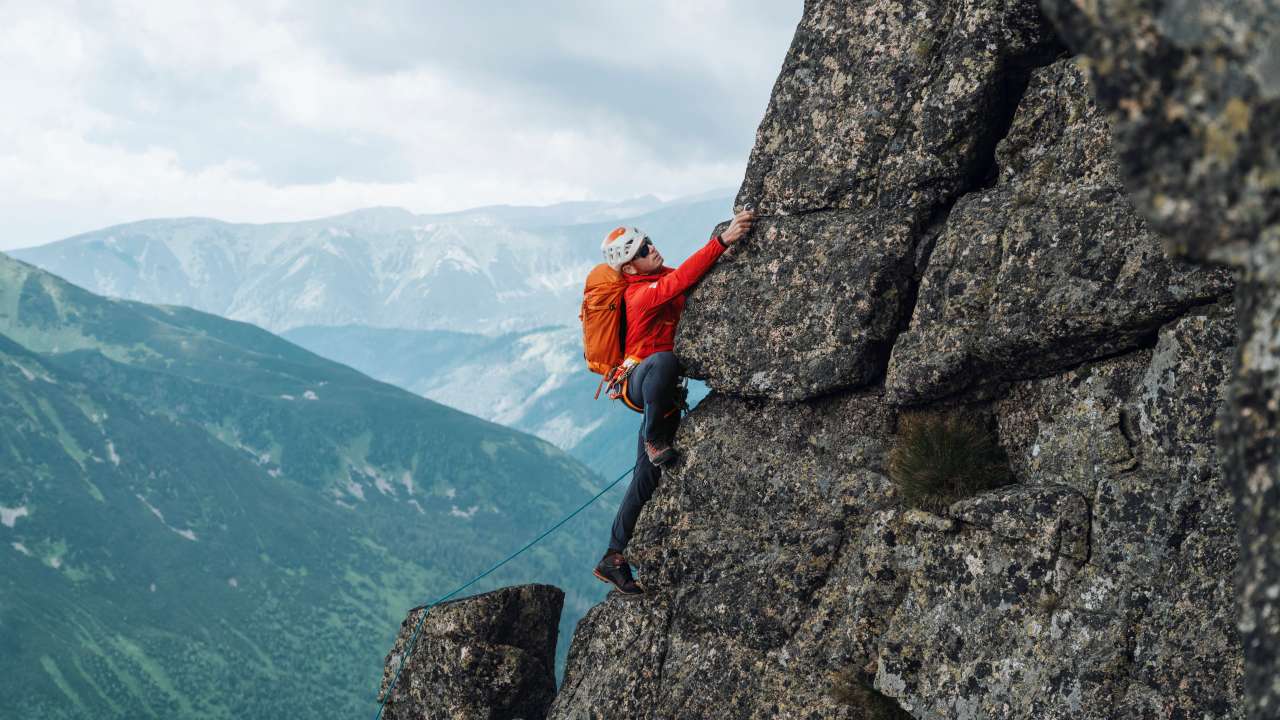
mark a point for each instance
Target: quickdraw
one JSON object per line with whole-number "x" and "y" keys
{"x": 614, "y": 382}
{"x": 615, "y": 386}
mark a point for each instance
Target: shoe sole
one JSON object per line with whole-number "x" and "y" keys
{"x": 616, "y": 589}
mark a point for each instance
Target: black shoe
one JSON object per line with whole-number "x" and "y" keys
{"x": 613, "y": 568}
{"x": 660, "y": 452}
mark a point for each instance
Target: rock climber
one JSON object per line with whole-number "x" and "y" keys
{"x": 653, "y": 301}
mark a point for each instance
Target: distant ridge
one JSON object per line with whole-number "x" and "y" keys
{"x": 489, "y": 270}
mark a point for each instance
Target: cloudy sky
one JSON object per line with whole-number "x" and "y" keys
{"x": 284, "y": 109}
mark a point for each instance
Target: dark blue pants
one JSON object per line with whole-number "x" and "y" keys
{"x": 653, "y": 387}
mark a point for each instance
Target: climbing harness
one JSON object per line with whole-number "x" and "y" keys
{"x": 426, "y": 609}
{"x": 619, "y": 389}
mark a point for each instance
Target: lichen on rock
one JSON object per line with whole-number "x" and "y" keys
{"x": 777, "y": 554}
{"x": 1192, "y": 90}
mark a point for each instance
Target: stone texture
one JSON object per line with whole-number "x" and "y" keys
{"x": 490, "y": 657}
{"x": 1250, "y": 436}
{"x": 821, "y": 314}
{"x": 778, "y": 555}
{"x": 738, "y": 545}
{"x": 1193, "y": 93}
{"x": 1050, "y": 267}
{"x": 891, "y": 103}
{"x": 884, "y": 113}
{"x": 1117, "y": 459}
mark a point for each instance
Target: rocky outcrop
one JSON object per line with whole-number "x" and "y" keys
{"x": 1050, "y": 267}
{"x": 489, "y": 657}
{"x": 756, "y": 566}
{"x": 946, "y": 229}
{"x": 1192, "y": 92}
{"x": 780, "y": 555}
{"x": 885, "y": 112}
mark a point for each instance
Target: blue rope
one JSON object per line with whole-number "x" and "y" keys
{"x": 426, "y": 609}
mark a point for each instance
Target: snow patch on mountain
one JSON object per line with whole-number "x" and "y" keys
{"x": 464, "y": 514}
{"x": 154, "y": 510}
{"x": 298, "y": 266}
{"x": 9, "y": 516}
{"x": 566, "y": 431}
{"x": 186, "y": 533}
{"x": 355, "y": 489}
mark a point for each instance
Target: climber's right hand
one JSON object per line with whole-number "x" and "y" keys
{"x": 738, "y": 227}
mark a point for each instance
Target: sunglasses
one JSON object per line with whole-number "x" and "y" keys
{"x": 645, "y": 247}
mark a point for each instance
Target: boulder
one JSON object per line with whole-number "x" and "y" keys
{"x": 487, "y": 657}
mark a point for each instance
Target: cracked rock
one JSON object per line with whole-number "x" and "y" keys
{"x": 1050, "y": 267}
{"x": 884, "y": 113}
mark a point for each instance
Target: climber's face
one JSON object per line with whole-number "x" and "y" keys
{"x": 647, "y": 259}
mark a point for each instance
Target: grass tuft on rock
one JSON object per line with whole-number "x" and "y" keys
{"x": 939, "y": 458}
{"x": 848, "y": 689}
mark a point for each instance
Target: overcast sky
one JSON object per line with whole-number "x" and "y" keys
{"x": 283, "y": 109}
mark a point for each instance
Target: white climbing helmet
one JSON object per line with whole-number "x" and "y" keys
{"x": 621, "y": 245}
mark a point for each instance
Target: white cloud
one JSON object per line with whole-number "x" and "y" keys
{"x": 252, "y": 111}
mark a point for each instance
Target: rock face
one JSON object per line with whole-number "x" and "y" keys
{"x": 885, "y": 112}
{"x": 488, "y": 657}
{"x": 947, "y": 230}
{"x": 1050, "y": 267}
{"x": 780, "y": 556}
{"x": 1192, "y": 91}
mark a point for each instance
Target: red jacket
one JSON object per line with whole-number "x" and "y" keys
{"x": 654, "y": 302}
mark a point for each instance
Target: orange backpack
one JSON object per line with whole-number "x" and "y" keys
{"x": 603, "y": 320}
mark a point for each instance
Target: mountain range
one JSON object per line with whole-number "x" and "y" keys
{"x": 487, "y": 270}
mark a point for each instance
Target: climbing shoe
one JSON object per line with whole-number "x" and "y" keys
{"x": 660, "y": 452}
{"x": 613, "y": 568}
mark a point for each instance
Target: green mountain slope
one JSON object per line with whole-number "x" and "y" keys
{"x": 200, "y": 519}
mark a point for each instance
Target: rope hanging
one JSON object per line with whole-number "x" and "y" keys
{"x": 427, "y": 608}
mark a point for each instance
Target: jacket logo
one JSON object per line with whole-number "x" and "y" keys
{"x": 653, "y": 285}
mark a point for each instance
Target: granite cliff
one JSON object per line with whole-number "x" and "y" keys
{"x": 1058, "y": 221}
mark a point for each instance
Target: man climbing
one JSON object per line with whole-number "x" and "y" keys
{"x": 653, "y": 301}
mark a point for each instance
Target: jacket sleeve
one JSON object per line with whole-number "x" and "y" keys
{"x": 683, "y": 277}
